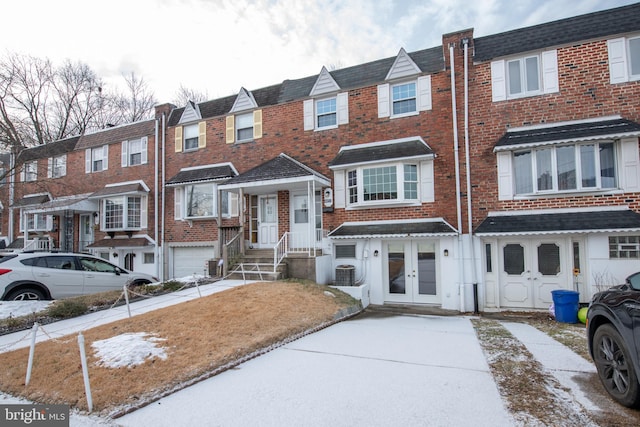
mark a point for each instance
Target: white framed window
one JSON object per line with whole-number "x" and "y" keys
{"x": 326, "y": 113}
{"x": 403, "y": 99}
{"x": 35, "y": 222}
{"x": 229, "y": 204}
{"x": 149, "y": 258}
{"x": 395, "y": 183}
{"x": 244, "y": 127}
{"x": 624, "y": 247}
{"x": 624, "y": 59}
{"x": 97, "y": 159}
{"x": 123, "y": 213}
{"x": 30, "y": 171}
{"x": 57, "y": 166}
{"x": 526, "y": 75}
{"x": 345, "y": 251}
{"x": 565, "y": 168}
{"x": 191, "y": 137}
{"x": 134, "y": 152}
{"x": 200, "y": 200}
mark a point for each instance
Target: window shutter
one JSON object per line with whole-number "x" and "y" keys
{"x": 309, "y": 122}
{"x": 50, "y": 167}
{"x": 231, "y": 129}
{"x": 177, "y": 203}
{"x": 550, "y": 71}
{"x": 143, "y": 146}
{"x": 383, "y": 100}
{"x": 87, "y": 160}
{"x": 505, "y": 178}
{"x": 617, "y": 60}
{"x": 125, "y": 146}
{"x": 342, "y": 102}
{"x": 144, "y": 218}
{"x": 105, "y": 157}
{"x": 257, "y": 124}
{"x": 234, "y": 208}
{"x": 202, "y": 134}
{"x": 498, "y": 81}
{"x": 424, "y": 93}
{"x": 427, "y": 189}
{"x": 49, "y": 221}
{"x": 178, "y": 139}
{"x": 630, "y": 176}
{"x": 63, "y": 161}
{"x": 339, "y": 196}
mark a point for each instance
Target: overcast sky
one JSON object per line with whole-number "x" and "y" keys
{"x": 219, "y": 46}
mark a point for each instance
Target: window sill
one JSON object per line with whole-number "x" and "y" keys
{"x": 383, "y": 204}
{"x": 610, "y": 191}
{"x": 325, "y": 128}
{"x": 399, "y": 116}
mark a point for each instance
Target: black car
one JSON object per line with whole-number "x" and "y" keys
{"x": 613, "y": 332}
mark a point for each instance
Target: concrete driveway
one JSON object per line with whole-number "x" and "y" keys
{"x": 375, "y": 369}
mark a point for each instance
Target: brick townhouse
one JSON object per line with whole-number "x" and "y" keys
{"x": 481, "y": 173}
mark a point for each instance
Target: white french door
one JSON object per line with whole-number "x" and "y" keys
{"x": 411, "y": 273}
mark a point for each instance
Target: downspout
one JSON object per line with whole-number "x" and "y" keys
{"x": 474, "y": 280}
{"x": 162, "y": 221}
{"x": 155, "y": 201}
{"x": 457, "y": 169}
{"x": 12, "y": 166}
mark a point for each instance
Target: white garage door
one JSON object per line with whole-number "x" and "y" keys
{"x": 191, "y": 260}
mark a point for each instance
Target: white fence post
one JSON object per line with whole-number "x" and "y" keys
{"x": 126, "y": 298}
{"x": 34, "y": 331}
{"x": 85, "y": 371}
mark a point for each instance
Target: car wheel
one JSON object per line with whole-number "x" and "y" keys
{"x": 615, "y": 366}
{"x": 26, "y": 294}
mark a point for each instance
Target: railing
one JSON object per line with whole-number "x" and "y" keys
{"x": 231, "y": 252}
{"x": 39, "y": 244}
{"x": 280, "y": 250}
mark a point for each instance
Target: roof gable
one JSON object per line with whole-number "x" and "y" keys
{"x": 324, "y": 84}
{"x": 403, "y": 66}
{"x": 244, "y": 101}
{"x": 191, "y": 113}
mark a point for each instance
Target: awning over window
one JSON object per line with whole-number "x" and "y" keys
{"x": 560, "y": 223}
{"x": 115, "y": 190}
{"x": 133, "y": 242}
{"x": 204, "y": 174}
{"x": 31, "y": 200}
{"x": 386, "y": 229}
{"x": 612, "y": 128}
{"x": 381, "y": 151}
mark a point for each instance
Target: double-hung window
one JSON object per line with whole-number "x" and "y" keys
{"x": 134, "y": 152}
{"x": 244, "y": 127}
{"x": 527, "y": 75}
{"x": 388, "y": 183}
{"x": 191, "y": 137}
{"x": 96, "y": 159}
{"x": 36, "y": 222}
{"x": 326, "y": 113}
{"x": 575, "y": 167}
{"x": 403, "y": 98}
{"x": 122, "y": 212}
{"x": 30, "y": 171}
{"x": 57, "y": 166}
{"x": 624, "y": 59}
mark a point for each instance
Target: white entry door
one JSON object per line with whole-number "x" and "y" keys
{"x": 86, "y": 232}
{"x": 412, "y": 275}
{"x": 530, "y": 270}
{"x": 267, "y": 220}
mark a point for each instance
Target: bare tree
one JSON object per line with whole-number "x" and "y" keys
{"x": 184, "y": 95}
{"x": 136, "y": 104}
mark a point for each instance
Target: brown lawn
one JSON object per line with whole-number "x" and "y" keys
{"x": 202, "y": 337}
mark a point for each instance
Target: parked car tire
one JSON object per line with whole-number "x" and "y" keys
{"x": 615, "y": 366}
{"x": 26, "y": 294}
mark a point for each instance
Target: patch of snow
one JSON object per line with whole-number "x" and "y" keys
{"x": 128, "y": 350}
{"x": 21, "y": 308}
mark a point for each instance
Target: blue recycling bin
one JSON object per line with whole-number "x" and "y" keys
{"x": 566, "y": 305}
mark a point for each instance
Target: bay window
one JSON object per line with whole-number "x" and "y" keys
{"x": 393, "y": 182}
{"x": 122, "y": 212}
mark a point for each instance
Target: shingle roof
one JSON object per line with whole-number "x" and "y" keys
{"x": 131, "y": 188}
{"x": 428, "y": 60}
{"x": 393, "y": 229}
{"x": 375, "y": 152}
{"x": 51, "y": 149}
{"x": 202, "y": 174}
{"x": 117, "y": 134}
{"x": 132, "y": 242}
{"x": 565, "y": 222}
{"x": 584, "y": 27}
{"x": 614, "y": 128}
{"x": 32, "y": 200}
{"x": 281, "y": 167}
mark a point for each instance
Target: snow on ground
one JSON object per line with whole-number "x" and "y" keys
{"x": 128, "y": 350}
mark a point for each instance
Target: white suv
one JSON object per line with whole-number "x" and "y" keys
{"x": 51, "y": 275}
